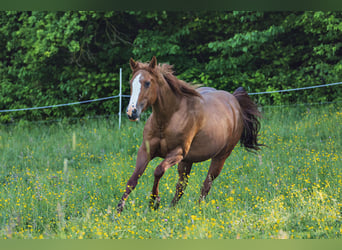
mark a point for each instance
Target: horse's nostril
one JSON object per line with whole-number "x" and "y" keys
{"x": 133, "y": 114}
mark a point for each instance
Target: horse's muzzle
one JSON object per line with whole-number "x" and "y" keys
{"x": 132, "y": 114}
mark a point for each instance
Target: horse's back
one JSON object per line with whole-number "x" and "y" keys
{"x": 218, "y": 95}
{"x": 204, "y": 90}
{"x": 218, "y": 100}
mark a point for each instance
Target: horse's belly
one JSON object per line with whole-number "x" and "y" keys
{"x": 218, "y": 138}
{"x": 195, "y": 156}
{"x": 205, "y": 147}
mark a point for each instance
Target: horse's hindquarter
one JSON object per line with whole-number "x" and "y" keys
{"x": 221, "y": 129}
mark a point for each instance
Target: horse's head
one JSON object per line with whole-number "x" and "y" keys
{"x": 143, "y": 88}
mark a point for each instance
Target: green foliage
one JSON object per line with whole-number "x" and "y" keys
{"x": 56, "y": 57}
{"x": 59, "y": 57}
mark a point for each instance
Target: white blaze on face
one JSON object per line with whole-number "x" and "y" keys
{"x": 136, "y": 87}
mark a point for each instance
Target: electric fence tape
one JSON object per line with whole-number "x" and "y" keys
{"x": 65, "y": 104}
{"x": 288, "y": 90}
{"x": 112, "y": 97}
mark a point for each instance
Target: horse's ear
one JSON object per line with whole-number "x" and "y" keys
{"x": 153, "y": 62}
{"x": 133, "y": 63}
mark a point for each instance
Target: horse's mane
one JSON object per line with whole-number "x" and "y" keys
{"x": 178, "y": 86}
{"x": 165, "y": 71}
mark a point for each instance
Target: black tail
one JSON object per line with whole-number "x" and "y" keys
{"x": 250, "y": 116}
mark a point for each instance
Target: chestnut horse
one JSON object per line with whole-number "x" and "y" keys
{"x": 187, "y": 125}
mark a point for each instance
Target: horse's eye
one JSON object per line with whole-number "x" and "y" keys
{"x": 147, "y": 84}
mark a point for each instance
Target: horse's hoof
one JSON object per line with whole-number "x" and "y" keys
{"x": 151, "y": 203}
{"x": 120, "y": 207}
{"x": 157, "y": 203}
{"x": 154, "y": 202}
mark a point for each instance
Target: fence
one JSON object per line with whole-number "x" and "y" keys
{"x": 121, "y": 95}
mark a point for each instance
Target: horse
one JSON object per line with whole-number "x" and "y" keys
{"x": 188, "y": 124}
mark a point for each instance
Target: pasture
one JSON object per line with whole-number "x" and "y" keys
{"x": 63, "y": 181}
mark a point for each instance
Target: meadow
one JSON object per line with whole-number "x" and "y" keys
{"x": 63, "y": 180}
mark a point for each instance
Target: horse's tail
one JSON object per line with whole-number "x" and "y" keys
{"x": 250, "y": 116}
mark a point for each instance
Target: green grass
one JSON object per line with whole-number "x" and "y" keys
{"x": 63, "y": 181}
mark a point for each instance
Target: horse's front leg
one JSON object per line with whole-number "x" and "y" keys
{"x": 173, "y": 158}
{"x": 143, "y": 158}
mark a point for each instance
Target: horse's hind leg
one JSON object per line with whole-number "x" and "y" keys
{"x": 184, "y": 169}
{"x": 214, "y": 171}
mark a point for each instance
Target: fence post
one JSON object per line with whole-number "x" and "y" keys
{"x": 120, "y": 98}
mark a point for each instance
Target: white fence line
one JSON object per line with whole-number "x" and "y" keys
{"x": 288, "y": 90}
{"x": 61, "y": 105}
{"x": 120, "y": 96}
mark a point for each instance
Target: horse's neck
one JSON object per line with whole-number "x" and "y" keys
{"x": 166, "y": 105}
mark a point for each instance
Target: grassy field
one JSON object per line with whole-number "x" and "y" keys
{"x": 60, "y": 181}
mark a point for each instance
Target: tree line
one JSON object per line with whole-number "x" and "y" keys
{"x": 50, "y": 58}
